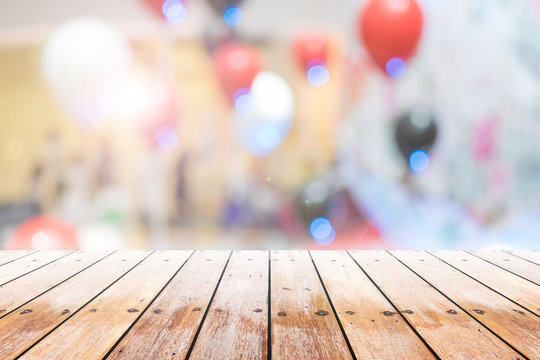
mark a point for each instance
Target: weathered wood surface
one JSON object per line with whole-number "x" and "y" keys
{"x": 509, "y": 321}
{"x": 515, "y": 265}
{"x": 25, "y": 288}
{"x": 119, "y": 306}
{"x": 262, "y": 305}
{"x": 362, "y": 308}
{"x": 239, "y": 307}
{"x": 532, "y": 255}
{"x": 27, "y": 264}
{"x": 302, "y": 320}
{"x": 521, "y": 291}
{"x": 8, "y": 256}
{"x": 450, "y": 332}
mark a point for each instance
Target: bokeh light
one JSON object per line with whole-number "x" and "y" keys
{"x": 233, "y": 15}
{"x": 318, "y": 75}
{"x": 263, "y": 114}
{"x": 395, "y": 67}
{"x": 244, "y": 103}
{"x": 174, "y": 11}
{"x": 419, "y": 161}
{"x": 40, "y": 241}
{"x": 322, "y": 231}
{"x": 167, "y": 139}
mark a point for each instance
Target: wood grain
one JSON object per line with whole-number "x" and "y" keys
{"x": 511, "y": 263}
{"x": 529, "y": 255}
{"x": 214, "y": 305}
{"x": 29, "y": 263}
{"x": 512, "y": 323}
{"x": 168, "y": 327}
{"x": 9, "y": 256}
{"x": 236, "y": 326}
{"x": 19, "y": 291}
{"x": 22, "y": 328}
{"x": 302, "y": 321}
{"x": 360, "y": 306}
{"x": 115, "y": 310}
{"x": 451, "y": 333}
{"x": 521, "y": 291}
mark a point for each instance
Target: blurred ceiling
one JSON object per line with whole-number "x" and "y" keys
{"x": 29, "y": 21}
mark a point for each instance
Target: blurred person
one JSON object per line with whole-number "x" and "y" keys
{"x": 53, "y": 165}
{"x": 36, "y": 187}
{"x": 181, "y": 187}
{"x": 75, "y": 197}
{"x": 151, "y": 173}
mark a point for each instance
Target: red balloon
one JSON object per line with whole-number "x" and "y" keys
{"x": 155, "y": 7}
{"x": 236, "y": 65}
{"x": 390, "y": 28}
{"x": 44, "y": 232}
{"x": 309, "y": 46}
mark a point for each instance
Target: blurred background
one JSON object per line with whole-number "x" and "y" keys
{"x": 365, "y": 124}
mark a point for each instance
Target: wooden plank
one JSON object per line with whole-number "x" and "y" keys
{"x": 303, "y": 325}
{"x": 25, "y": 265}
{"x": 168, "y": 327}
{"x": 451, "y": 333}
{"x": 511, "y": 263}
{"x": 236, "y": 326}
{"x": 517, "y": 289}
{"x": 360, "y": 306}
{"x": 22, "y": 328}
{"x": 529, "y": 255}
{"x": 91, "y": 332}
{"x": 23, "y": 289}
{"x": 10, "y": 256}
{"x": 516, "y": 326}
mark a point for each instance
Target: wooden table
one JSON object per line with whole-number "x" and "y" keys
{"x": 277, "y": 304}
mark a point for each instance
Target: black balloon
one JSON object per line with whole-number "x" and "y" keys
{"x": 415, "y": 129}
{"x": 219, "y": 5}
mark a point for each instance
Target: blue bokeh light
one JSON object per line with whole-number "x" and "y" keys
{"x": 174, "y": 11}
{"x": 268, "y": 137}
{"x": 419, "y": 161}
{"x": 233, "y": 15}
{"x": 322, "y": 231}
{"x": 167, "y": 139}
{"x": 244, "y": 104}
{"x": 395, "y": 67}
{"x": 318, "y": 75}
{"x": 240, "y": 92}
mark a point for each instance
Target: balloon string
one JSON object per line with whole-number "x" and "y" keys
{"x": 391, "y": 96}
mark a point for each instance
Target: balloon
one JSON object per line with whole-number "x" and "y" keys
{"x": 155, "y": 7}
{"x": 82, "y": 60}
{"x": 264, "y": 114}
{"x": 390, "y": 29}
{"x": 310, "y": 46}
{"x": 415, "y": 130}
{"x": 44, "y": 232}
{"x": 236, "y": 66}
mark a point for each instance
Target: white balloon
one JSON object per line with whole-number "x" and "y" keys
{"x": 83, "y": 59}
{"x": 273, "y": 96}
